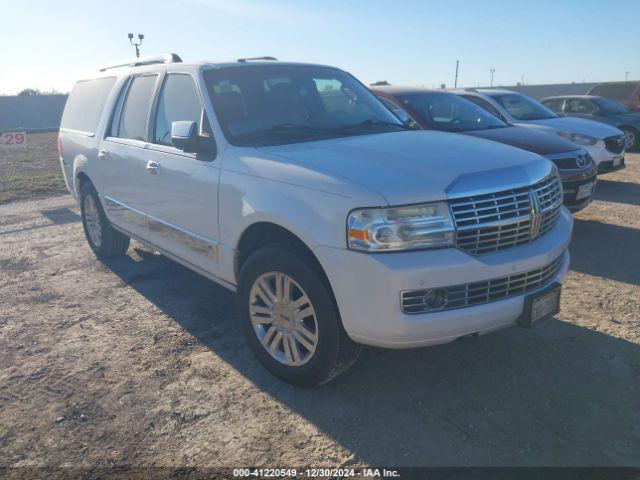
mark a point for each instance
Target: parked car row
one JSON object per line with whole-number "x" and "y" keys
{"x": 599, "y": 109}
{"x": 336, "y": 223}
{"x": 444, "y": 111}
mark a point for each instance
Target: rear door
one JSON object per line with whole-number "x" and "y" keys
{"x": 180, "y": 192}
{"x": 121, "y": 157}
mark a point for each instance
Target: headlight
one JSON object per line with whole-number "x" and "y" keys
{"x": 426, "y": 225}
{"x": 579, "y": 138}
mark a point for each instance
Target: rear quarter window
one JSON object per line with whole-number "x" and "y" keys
{"x": 85, "y": 104}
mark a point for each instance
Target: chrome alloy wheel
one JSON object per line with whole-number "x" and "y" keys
{"x": 632, "y": 139}
{"x": 92, "y": 220}
{"x": 283, "y": 318}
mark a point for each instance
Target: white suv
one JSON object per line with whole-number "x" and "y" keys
{"x": 295, "y": 186}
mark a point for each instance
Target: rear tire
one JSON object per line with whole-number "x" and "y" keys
{"x": 104, "y": 240}
{"x": 633, "y": 138}
{"x": 295, "y": 328}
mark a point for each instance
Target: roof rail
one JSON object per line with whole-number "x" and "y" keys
{"x": 136, "y": 62}
{"x": 470, "y": 89}
{"x": 245, "y": 60}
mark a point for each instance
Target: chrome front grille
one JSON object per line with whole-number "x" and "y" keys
{"x": 496, "y": 221}
{"x": 466, "y": 295}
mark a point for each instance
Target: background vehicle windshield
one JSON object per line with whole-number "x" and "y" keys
{"x": 450, "y": 113}
{"x": 268, "y": 105}
{"x": 610, "y": 106}
{"x": 616, "y": 91}
{"x": 523, "y": 108}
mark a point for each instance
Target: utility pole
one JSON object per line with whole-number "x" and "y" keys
{"x": 626, "y": 76}
{"x": 455, "y": 83}
{"x": 492, "y": 70}
{"x": 136, "y": 44}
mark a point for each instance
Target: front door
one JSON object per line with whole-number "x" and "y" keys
{"x": 580, "y": 107}
{"x": 180, "y": 190}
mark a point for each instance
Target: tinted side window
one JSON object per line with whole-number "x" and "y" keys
{"x": 85, "y": 104}
{"x": 135, "y": 110}
{"x": 481, "y": 102}
{"x": 179, "y": 100}
{"x": 554, "y": 104}
{"x": 577, "y": 105}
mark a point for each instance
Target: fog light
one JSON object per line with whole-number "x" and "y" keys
{"x": 436, "y": 298}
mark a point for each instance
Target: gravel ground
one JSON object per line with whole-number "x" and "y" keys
{"x": 139, "y": 361}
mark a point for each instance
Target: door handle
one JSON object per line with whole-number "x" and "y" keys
{"x": 102, "y": 154}
{"x": 152, "y": 167}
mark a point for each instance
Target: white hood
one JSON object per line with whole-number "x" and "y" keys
{"x": 573, "y": 125}
{"x": 418, "y": 166}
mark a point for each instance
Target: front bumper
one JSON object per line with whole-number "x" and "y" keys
{"x": 570, "y": 190}
{"x": 611, "y": 166}
{"x": 605, "y": 160}
{"x": 572, "y": 180}
{"x": 367, "y": 288}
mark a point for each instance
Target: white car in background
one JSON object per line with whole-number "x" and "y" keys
{"x": 605, "y": 144}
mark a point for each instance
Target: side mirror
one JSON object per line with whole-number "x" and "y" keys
{"x": 184, "y": 136}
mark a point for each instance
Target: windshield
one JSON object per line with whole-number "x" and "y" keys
{"x": 523, "y": 108}
{"x": 610, "y": 106}
{"x": 449, "y": 112}
{"x": 270, "y": 105}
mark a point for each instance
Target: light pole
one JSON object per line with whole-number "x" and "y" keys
{"x": 455, "y": 83}
{"x": 492, "y": 70}
{"x": 136, "y": 44}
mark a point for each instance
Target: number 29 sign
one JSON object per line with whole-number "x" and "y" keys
{"x": 13, "y": 139}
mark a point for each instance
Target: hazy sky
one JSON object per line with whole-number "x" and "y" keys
{"x": 48, "y": 44}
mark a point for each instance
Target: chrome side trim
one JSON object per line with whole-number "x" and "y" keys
{"x": 180, "y": 260}
{"x": 194, "y": 242}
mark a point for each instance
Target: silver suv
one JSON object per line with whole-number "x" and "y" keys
{"x": 294, "y": 186}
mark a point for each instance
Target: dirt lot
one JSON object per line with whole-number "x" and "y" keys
{"x": 32, "y": 171}
{"x": 138, "y": 361}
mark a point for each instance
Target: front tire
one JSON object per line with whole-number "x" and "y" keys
{"x": 632, "y": 137}
{"x": 290, "y": 319}
{"x": 104, "y": 240}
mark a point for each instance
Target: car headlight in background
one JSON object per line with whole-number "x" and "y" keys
{"x": 579, "y": 138}
{"x": 425, "y": 225}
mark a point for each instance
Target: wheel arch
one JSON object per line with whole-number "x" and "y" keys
{"x": 265, "y": 233}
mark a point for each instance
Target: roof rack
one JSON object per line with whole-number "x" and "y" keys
{"x": 245, "y": 60}
{"x": 137, "y": 62}
{"x": 470, "y": 89}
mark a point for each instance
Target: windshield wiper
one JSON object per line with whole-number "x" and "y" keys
{"x": 376, "y": 121}
{"x": 288, "y": 127}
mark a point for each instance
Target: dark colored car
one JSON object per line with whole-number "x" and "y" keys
{"x": 439, "y": 110}
{"x": 626, "y": 93}
{"x": 599, "y": 109}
